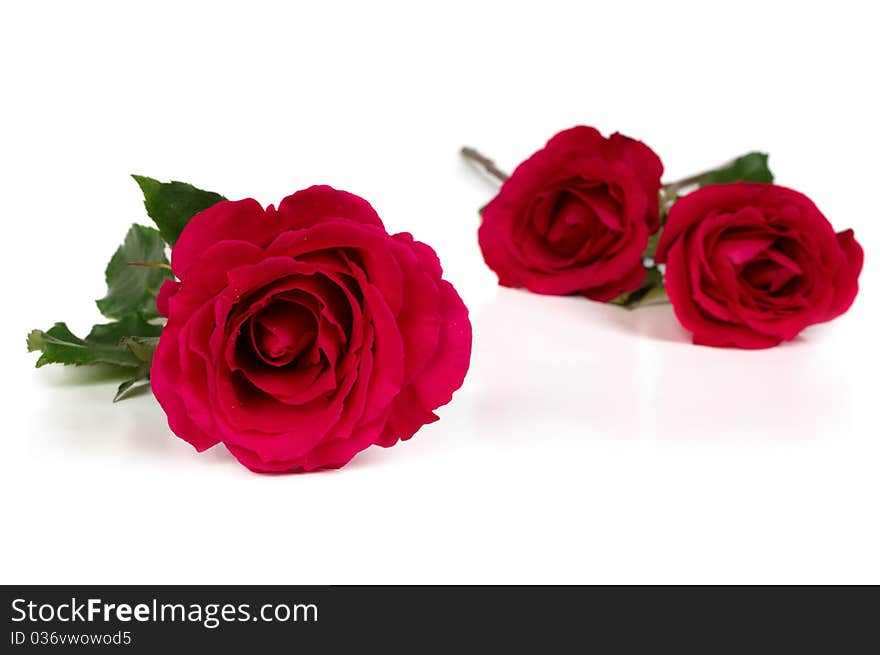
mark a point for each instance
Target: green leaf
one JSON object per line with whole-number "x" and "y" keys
{"x": 123, "y": 388}
{"x": 650, "y": 292}
{"x": 130, "y": 386}
{"x": 132, "y": 326}
{"x": 60, "y": 346}
{"x": 142, "y": 348}
{"x": 132, "y": 289}
{"x": 751, "y": 167}
{"x": 172, "y": 204}
{"x": 35, "y": 340}
{"x": 128, "y": 344}
{"x": 107, "y": 343}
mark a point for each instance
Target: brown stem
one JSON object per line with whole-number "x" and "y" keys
{"x": 487, "y": 164}
{"x": 674, "y": 187}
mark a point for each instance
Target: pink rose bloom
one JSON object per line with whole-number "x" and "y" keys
{"x": 300, "y": 336}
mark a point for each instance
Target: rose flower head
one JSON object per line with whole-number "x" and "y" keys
{"x": 301, "y": 335}
{"x": 575, "y": 217}
{"x": 751, "y": 265}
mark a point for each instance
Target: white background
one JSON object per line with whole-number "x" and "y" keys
{"x": 588, "y": 444}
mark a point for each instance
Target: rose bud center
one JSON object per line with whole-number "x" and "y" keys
{"x": 766, "y": 264}
{"x": 570, "y": 219}
{"x": 282, "y": 332}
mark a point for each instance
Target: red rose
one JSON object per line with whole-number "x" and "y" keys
{"x": 575, "y": 217}
{"x": 751, "y": 265}
{"x": 300, "y": 336}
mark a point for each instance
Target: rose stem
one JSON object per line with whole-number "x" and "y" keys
{"x": 487, "y": 164}
{"x": 678, "y": 185}
{"x": 674, "y": 187}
